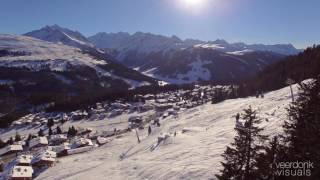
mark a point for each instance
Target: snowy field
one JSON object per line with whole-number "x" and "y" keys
{"x": 194, "y": 154}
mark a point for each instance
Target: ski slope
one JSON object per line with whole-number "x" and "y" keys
{"x": 195, "y": 154}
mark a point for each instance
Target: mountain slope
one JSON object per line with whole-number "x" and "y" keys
{"x": 195, "y": 154}
{"x": 58, "y": 34}
{"x": 201, "y": 64}
{"x": 186, "y": 61}
{"x": 32, "y": 67}
{"x": 299, "y": 67}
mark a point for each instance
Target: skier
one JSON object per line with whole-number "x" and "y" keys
{"x": 149, "y": 130}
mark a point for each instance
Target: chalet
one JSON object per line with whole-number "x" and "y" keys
{"x": 61, "y": 150}
{"x": 38, "y": 142}
{"x": 21, "y": 173}
{"x": 78, "y": 115}
{"x": 102, "y": 140}
{"x": 24, "y": 160}
{"x": 58, "y": 139}
{"x": 43, "y": 159}
{"x": 81, "y": 142}
{"x": 11, "y": 149}
{"x": 163, "y": 107}
{"x": 135, "y": 121}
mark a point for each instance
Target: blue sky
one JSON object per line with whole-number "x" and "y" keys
{"x": 250, "y": 21}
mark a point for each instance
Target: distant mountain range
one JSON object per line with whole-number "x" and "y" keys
{"x": 185, "y": 61}
{"x": 148, "y": 43}
{"x": 169, "y": 58}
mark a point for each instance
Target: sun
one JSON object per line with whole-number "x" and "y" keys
{"x": 194, "y": 6}
{"x": 193, "y": 2}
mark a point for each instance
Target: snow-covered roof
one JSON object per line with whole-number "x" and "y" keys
{"x": 24, "y": 159}
{"x": 10, "y": 148}
{"x": 46, "y": 155}
{"x": 38, "y": 141}
{"x": 58, "y": 137}
{"x": 82, "y": 141}
{"x": 21, "y": 172}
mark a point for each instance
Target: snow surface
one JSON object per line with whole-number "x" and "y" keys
{"x": 194, "y": 154}
{"x": 42, "y": 52}
{"x": 57, "y": 57}
{"x": 209, "y": 46}
{"x": 197, "y": 71}
{"x": 241, "y": 53}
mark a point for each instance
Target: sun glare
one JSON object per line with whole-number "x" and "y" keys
{"x": 194, "y": 6}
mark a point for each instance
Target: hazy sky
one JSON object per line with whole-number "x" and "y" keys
{"x": 250, "y": 21}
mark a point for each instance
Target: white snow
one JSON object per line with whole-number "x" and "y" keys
{"x": 197, "y": 71}
{"x": 241, "y": 53}
{"x": 43, "y": 53}
{"x": 209, "y": 46}
{"x": 194, "y": 154}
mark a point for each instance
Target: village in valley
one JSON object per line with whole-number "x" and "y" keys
{"x": 39, "y": 140}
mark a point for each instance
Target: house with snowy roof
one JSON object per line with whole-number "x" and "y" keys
{"x": 11, "y": 149}
{"x": 24, "y": 160}
{"x": 61, "y": 149}
{"x": 81, "y": 142}
{"x": 20, "y": 173}
{"x": 58, "y": 139}
{"x": 38, "y": 142}
{"x": 44, "y": 159}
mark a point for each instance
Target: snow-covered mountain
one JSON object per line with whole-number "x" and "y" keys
{"x": 184, "y": 61}
{"x": 33, "y": 63}
{"x": 58, "y": 34}
{"x": 148, "y": 43}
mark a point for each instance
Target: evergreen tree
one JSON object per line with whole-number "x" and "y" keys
{"x": 303, "y": 127}
{"x": 59, "y": 131}
{"x": 28, "y": 139}
{"x": 50, "y": 123}
{"x": 240, "y": 157}
{"x": 17, "y": 137}
{"x": 267, "y": 161}
{"x": 10, "y": 141}
{"x": 72, "y": 131}
{"x": 40, "y": 133}
{"x": 50, "y": 131}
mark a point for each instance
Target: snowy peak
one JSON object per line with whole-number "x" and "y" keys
{"x": 145, "y": 43}
{"x": 58, "y": 34}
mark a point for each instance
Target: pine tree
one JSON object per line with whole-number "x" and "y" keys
{"x": 267, "y": 161}
{"x": 50, "y": 123}
{"x": 17, "y": 137}
{"x": 28, "y": 139}
{"x": 50, "y": 131}
{"x": 240, "y": 157}
{"x": 59, "y": 131}
{"x": 40, "y": 133}
{"x": 303, "y": 127}
{"x": 10, "y": 141}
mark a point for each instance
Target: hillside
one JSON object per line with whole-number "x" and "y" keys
{"x": 194, "y": 154}
{"x": 30, "y": 67}
{"x": 305, "y": 65}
